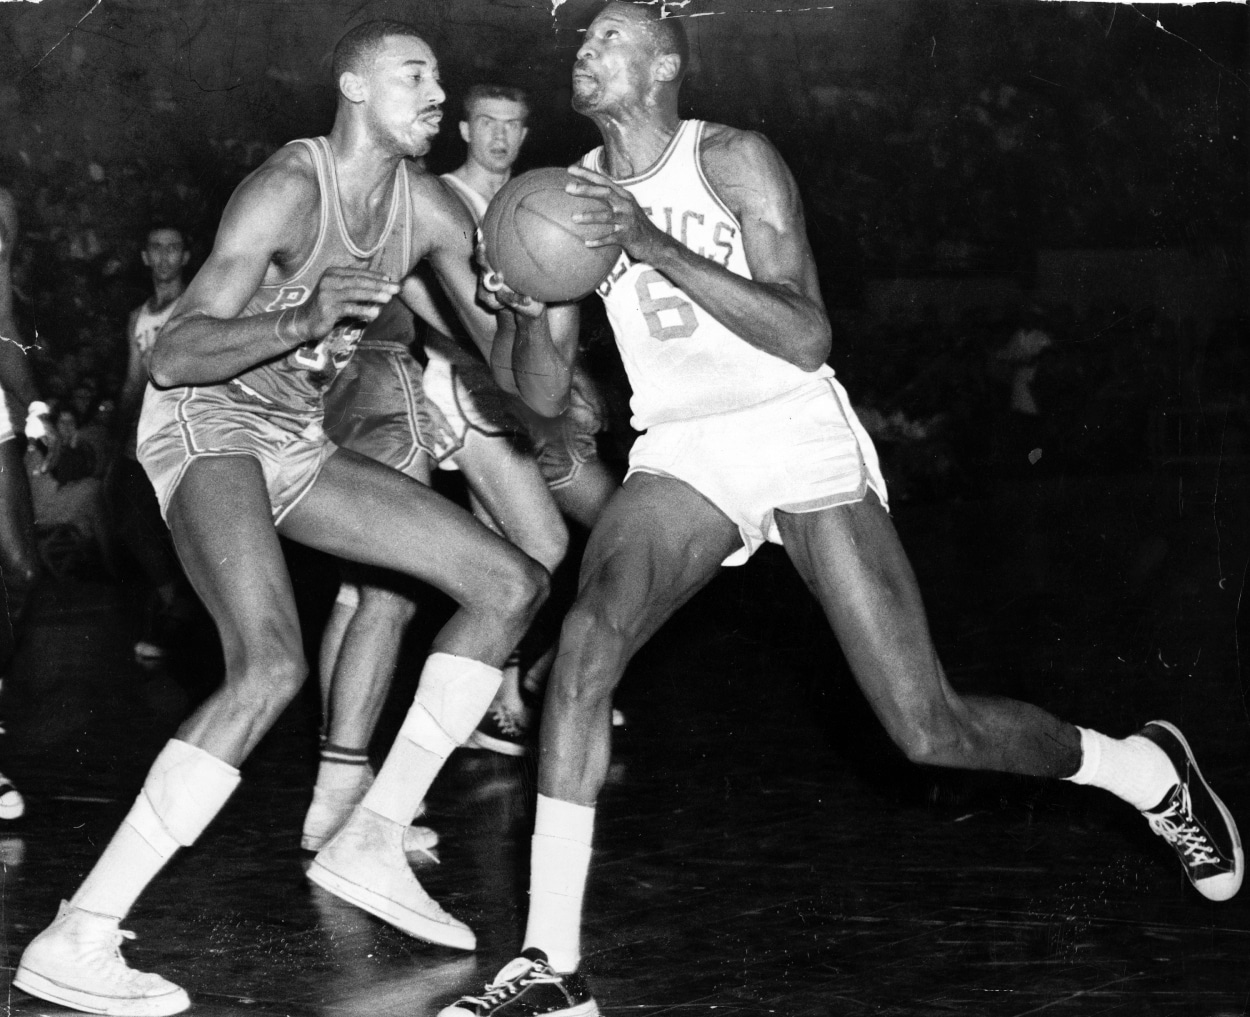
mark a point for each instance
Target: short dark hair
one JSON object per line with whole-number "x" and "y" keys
{"x": 161, "y": 224}
{"x": 481, "y": 92}
{"x": 361, "y": 43}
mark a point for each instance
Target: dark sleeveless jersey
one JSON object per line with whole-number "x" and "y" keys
{"x": 295, "y": 383}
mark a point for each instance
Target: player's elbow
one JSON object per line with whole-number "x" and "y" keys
{"x": 545, "y": 400}
{"x": 165, "y": 368}
{"x": 547, "y": 405}
{"x": 815, "y": 351}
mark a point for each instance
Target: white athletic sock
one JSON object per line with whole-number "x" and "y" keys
{"x": 184, "y": 790}
{"x": 341, "y": 769}
{"x": 559, "y": 864}
{"x": 452, "y": 697}
{"x": 1133, "y": 768}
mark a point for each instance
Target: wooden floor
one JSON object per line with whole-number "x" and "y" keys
{"x": 761, "y": 849}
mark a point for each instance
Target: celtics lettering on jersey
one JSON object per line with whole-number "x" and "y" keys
{"x": 667, "y": 311}
{"x": 681, "y": 361}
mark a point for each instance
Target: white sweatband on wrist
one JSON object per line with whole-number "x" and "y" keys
{"x": 36, "y": 425}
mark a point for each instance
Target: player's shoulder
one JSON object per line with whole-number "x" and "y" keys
{"x": 435, "y": 204}
{"x": 736, "y": 151}
{"x": 287, "y": 178}
{"x": 745, "y": 168}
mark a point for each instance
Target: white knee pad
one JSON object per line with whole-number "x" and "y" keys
{"x": 452, "y": 697}
{"x": 184, "y": 790}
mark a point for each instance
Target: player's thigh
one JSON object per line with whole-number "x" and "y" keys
{"x": 507, "y": 482}
{"x": 365, "y": 512}
{"x": 852, "y": 560}
{"x": 223, "y": 530}
{"x": 657, "y": 543}
{"x": 584, "y": 496}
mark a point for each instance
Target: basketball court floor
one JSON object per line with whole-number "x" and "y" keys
{"x": 761, "y": 848}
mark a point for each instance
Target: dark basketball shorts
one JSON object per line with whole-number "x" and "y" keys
{"x": 564, "y": 444}
{"x": 179, "y": 426}
{"x": 377, "y": 406}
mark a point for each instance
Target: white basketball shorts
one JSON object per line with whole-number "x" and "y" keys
{"x": 801, "y": 452}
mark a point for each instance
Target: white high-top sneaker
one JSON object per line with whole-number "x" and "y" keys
{"x": 77, "y": 962}
{"x": 364, "y": 864}
{"x": 331, "y": 807}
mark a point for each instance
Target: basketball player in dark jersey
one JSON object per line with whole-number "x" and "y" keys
{"x": 311, "y": 247}
{"x": 716, "y": 309}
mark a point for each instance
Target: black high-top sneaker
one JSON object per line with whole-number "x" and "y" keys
{"x": 1193, "y": 820}
{"x": 528, "y": 987}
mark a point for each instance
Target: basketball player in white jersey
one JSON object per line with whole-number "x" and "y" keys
{"x": 718, "y": 316}
{"x": 20, "y": 406}
{"x": 311, "y": 247}
{"x": 516, "y": 462}
{"x": 139, "y": 522}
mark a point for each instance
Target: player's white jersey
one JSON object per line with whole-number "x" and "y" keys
{"x": 474, "y": 202}
{"x": 682, "y": 363}
{"x": 148, "y": 325}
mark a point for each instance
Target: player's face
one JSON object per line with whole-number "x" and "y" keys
{"x": 404, "y": 97}
{"x": 613, "y": 68}
{"x": 495, "y": 132}
{"x": 165, "y": 254}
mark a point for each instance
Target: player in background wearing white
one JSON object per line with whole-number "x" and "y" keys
{"x": 311, "y": 247}
{"x": 139, "y": 524}
{"x": 500, "y": 437}
{"x": 381, "y": 408}
{"x": 20, "y": 408}
{"x": 718, "y": 315}
{"x": 376, "y": 407}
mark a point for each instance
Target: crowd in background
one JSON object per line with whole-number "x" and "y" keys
{"x": 955, "y": 405}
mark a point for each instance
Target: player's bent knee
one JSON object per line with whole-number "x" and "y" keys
{"x": 550, "y": 551}
{"x": 520, "y": 590}
{"x": 267, "y": 680}
{"x": 931, "y": 740}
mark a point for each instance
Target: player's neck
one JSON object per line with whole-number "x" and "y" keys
{"x": 165, "y": 293}
{"x": 634, "y": 140}
{"x": 478, "y": 178}
{"x": 363, "y": 167}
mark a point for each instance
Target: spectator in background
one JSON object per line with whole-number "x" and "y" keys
{"x": 67, "y": 494}
{"x": 139, "y": 524}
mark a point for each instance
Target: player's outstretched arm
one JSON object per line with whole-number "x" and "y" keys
{"x": 263, "y": 225}
{"x": 449, "y": 233}
{"x": 779, "y": 310}
{"x": 544, "y": 354}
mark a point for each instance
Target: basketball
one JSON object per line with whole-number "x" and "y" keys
{"x": 532, "y": 241}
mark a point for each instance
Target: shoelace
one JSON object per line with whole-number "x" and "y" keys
{"x": 1185, "y": 834}
{"x": 107, "y": 958}
{"x": 506, "y": 720}
{"x": 508, "y": 985}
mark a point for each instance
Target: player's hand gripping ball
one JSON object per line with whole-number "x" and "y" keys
{"x": 534, "y": 244}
